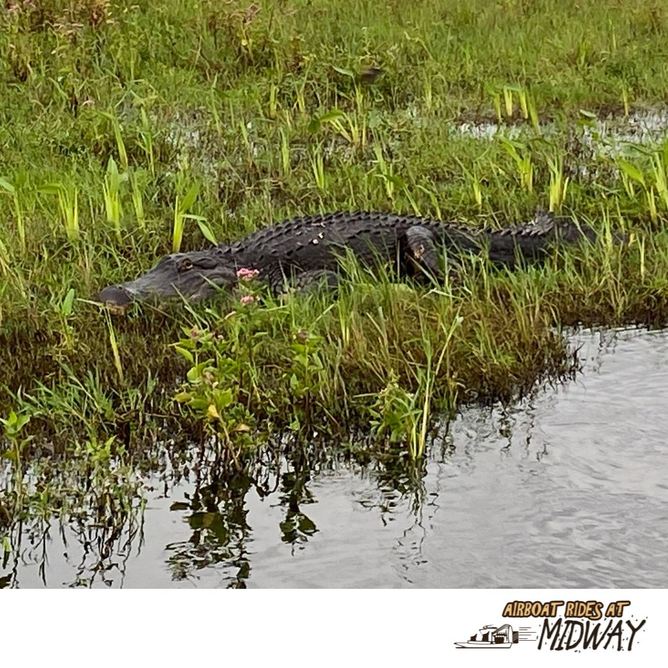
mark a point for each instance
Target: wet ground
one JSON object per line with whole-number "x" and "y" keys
{"x": 567, "y": 488}
{"x": 609, "y": 135}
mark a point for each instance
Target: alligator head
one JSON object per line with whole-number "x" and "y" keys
{"x": 191, "y": 276}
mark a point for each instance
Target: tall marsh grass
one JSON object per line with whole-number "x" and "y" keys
{"x": 242, "y": 114}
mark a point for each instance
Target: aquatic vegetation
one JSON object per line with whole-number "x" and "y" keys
{"x": 242, "y": 114}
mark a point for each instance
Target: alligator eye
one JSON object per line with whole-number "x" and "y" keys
{"x": 184, "y": 265}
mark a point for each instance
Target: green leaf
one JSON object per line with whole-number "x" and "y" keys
{"x": 189, "y": 198}
{"x": 206, "y": 230}
{"x": 332, "y": 115}
{"x": 51, "y": 189}
{"x": 6, "y": 185}
{"x": 631, "y": 171}
{"x": 223, "y": 398}
{"x": 185, "y": 354}
{"x": 295, "y": 425}
{"x": 66, "y": 306}
{"x": 195, "y": 373}
{"x": 199, "y": 404}
{"x": 345, "y": 72}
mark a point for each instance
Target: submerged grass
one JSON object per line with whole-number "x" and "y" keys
{"x": 128, "y": 130}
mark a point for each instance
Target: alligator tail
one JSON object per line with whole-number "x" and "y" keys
{"x": 532, "y": 241}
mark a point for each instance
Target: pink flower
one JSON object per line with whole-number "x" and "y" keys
{"x": 246, "y": 274}
{"x": 247, "y": 299}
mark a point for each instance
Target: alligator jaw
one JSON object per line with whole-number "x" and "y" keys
{"x": 116, "y": 298}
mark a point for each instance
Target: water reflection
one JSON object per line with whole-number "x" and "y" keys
{"x": 563, "y": 488}
{"x": 215, "y": 513}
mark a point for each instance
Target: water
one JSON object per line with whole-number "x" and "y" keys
{"x": 565, "y": 489}
{"x": 591, "y": 144}
{"x": 604, "y": 136}
{"x": 195, "y": 142}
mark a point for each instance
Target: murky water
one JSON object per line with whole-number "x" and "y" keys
{"x": 566, "y": 489}
{"x": 593, "y": 145}
{"x": 195, "y": 141}
{"x": 609, "y": 135}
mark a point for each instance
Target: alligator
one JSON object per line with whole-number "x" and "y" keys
{"x": 306, "y": 251}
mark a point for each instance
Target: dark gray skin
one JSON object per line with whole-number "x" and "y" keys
{"x": 308, "y": 250}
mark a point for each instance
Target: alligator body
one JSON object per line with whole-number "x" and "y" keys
{"x": 308, "y": 250}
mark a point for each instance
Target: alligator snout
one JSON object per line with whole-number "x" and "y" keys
{"x": 115, "y": 297}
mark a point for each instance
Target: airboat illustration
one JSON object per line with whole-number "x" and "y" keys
{"x": 491, "y": 637}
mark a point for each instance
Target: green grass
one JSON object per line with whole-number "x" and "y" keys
{"x": 130, "y": 129}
